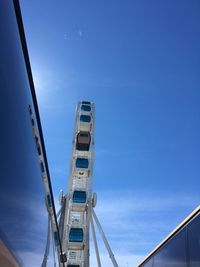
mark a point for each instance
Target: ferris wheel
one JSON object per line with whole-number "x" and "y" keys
{"x": 71, "y": 236}
{"x": 77, "y": 215}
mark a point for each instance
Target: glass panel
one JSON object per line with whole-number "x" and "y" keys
{"x": 86, "y": 102}
{"x": 23, "y": 214}
{"x": 42, "y": 167}
{"x": 173, "y": 253}
{"x": 83, "y": 141}
{"x": 86, "y": 108}
{"x": 86, "y": 134}
{"x": 79, "y": 197}
{"x": 76, "y": 235}
{"x": 72, "y": 255}
{"x": 48, "y": 201}
{"x": 85, "y": 118}
{"x": 194, "y": 242}
{"x": 82, "y": 163}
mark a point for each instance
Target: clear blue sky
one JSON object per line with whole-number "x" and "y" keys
{"x": 139, "y": 61}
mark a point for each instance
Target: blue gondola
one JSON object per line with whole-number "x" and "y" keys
{"x": 79, "y": 197}
{"x": 85, "y": 118}
{"x": 86, "y": 108}
{"x": 82, "y": 163}
{"x": 76, "y": 235}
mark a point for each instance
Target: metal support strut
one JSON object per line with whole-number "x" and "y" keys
{"x": 95, "y": 243}
{"x": 112, "y": 257}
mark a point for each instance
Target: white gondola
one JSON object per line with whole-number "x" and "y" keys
{"x": 76, "y": 238}
{"x": 85, "y": 123}
{"x": 79, "y": 200}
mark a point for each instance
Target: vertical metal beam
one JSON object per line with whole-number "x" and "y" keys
{"x": 46, "y": 254}
{"x": 112, "y": 257}
{"x": 95, "y": 243}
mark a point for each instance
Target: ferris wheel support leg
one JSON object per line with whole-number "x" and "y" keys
{"x": 44, "y": 262}
{"x": 95, "y": 243}
{"x": 58, "y": 213}
{"x": 112, "y": 257}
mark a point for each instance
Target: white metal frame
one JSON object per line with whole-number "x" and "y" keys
{"x": 80, "y": 252}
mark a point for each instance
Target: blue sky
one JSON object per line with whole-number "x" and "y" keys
{"x": 139, "y": 61}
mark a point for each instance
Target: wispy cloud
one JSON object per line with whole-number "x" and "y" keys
{"x": 136, "y": 221}
{"x": 123, "y": 260}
